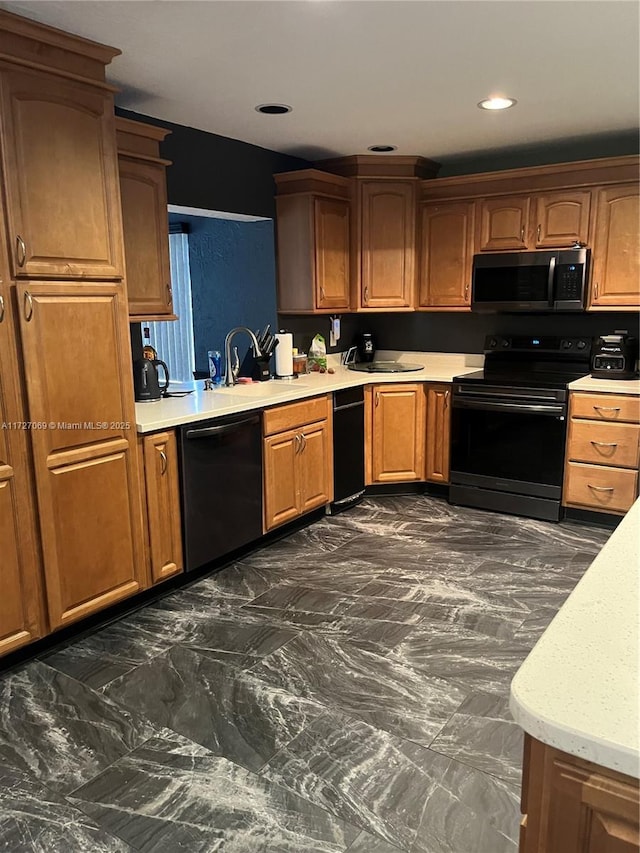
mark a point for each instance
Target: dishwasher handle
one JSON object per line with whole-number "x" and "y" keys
{"x": 343, "y": 408}
{"x": 221, "y": 429}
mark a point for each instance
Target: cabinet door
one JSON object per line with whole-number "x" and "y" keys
{"x": 561, "y": 219}
{"x": 314, "y": 460}
{"x": 281, "y": 486}
{"x": 574, "y": 806}
{"x": 447, "y": 254}
{"x": 331, "y": 225}
{"x": 146, "y": 237}
{"x": 616, "y": 248}
{"x": 438, "y": 433}
{"x": 398, "y": 433}
{"x": 387, "y": 244}
{"x": 503, "y": 223}
{"x": 60, "y": 169}
{"x": 77, "y": 355}
{"x": 163, "y": 504}
{"x": 20, "y": 600}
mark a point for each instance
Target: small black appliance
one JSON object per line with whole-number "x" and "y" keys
{"x": 615, "y": 356}
{"x": 146, "y": 384}
{"x": 366, "y": 346}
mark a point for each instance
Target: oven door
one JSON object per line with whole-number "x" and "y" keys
{"x": 508, "y": 443}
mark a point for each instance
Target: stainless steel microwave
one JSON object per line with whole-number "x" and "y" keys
{"x": 531, "y": 281}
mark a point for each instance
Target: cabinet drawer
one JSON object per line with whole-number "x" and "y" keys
{"x": 599, "y": 487}
{"x": 606, "y": 407}
{"x": 282, "y": 418}
{"x": 604, "y": 444}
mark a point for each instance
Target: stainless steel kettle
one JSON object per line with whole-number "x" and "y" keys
{"x": 146, "y": 384}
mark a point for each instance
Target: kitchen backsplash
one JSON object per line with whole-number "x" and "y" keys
{"x": 442, "y": 332}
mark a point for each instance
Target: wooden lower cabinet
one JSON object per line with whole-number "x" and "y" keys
{"x": 21, "y": 616}
{"x": 298, "y": 468}
{"x": 160, "y": 459}
{"x": 574, "y": 806}
{"x": 76, "y": 352}
{"x": 603, "y": 452}
{"x": 438, "y": 433}
{"x": 394, "y": 433}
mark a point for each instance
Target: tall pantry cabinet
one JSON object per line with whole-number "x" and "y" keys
{"x": 64, "y": 243}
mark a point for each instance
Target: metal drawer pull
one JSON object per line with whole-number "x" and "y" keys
{"x": 601, "y": 488}
{"x": 1, "y": 308}
{"x": 604, "y": 443}
{"x": 28, "y": 306}
{"x": 607, "y": 408}
{"x": 163, "y": 463}
{"x": 21, "y": 250}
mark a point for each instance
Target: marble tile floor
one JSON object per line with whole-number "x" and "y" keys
{"x": 344, "y": 689}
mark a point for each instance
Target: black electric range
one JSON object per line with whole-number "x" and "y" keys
{"x": 509, "y": 424}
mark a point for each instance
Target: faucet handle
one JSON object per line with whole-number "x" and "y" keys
{"x": 235, "y": 366}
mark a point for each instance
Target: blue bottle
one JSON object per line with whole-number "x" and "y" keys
{"x": 214, "y": 365}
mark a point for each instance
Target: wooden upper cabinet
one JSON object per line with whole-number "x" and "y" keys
{"x": 615, "y": 279}
{"x": 446, "y": 254}
{"x": 145, "y": 222}
{"x": 313, "y": 224}
{"x": 387, "y": 244}
{"x": 60, "y": 171}
{"x": 396, "y": 439}
{"x": 504, "y": 223}
{"x": 85, "y": 456}
{"x": 438, "y": 433}
{"x": 163, "y": 504}
{"x": 21, "y": 618}
{"x": 331, "y": 233}
{"x": 560, "y": 219}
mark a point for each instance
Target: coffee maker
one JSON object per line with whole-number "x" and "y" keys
{"x": 366, "y": 345}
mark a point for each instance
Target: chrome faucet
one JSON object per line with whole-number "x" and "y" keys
{"x": 229, "y": 374}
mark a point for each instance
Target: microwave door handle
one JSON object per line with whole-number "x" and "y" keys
{"x": 551, "y": 282}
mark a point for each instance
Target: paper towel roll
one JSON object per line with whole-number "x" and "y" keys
{"x": 284, "y": 354}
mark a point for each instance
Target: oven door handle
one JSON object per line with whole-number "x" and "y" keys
{"x": 510, "y": 407}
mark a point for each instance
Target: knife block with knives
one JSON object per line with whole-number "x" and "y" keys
{"x": 258, "y": 367}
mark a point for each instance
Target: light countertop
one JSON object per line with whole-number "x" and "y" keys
{"x": 203, "y": 405}
{"x": 606, "y": 386}
{"x": 579, "y": 688}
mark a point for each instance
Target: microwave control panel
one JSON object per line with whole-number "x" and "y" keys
{"x": 569, "y": 282}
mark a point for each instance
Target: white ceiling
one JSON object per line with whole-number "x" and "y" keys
{"x": 360, "y": 73}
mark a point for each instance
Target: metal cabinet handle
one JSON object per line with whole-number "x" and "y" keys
{"x": 321, "y": 293}
{"x": 169, "y": 294}
{"x": 377, "y": 398}
{"x": 163, "y": 463}
{"x": 446, "y": 400}
{"x": 601, "y": 488}
{"x": 21, "y": 250}
{"x": 366, "y": 294}
{"x": 28, "y": 306}
{"x": 304, "y": 442}
{"x": 539, "y": 232}
{"x": 1, "y": 308}
{"x": 298, "y": 443}
{"x": 607, "y": 408}
{"x": 466, "y": 292}
{"x": 604, "y": 443}
{"x": 522, "y": 234}
{"x": 595, "y": 295}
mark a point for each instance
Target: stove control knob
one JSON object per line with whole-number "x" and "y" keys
{"x": 505, "y": 342}
{"x": 581, "y": 344}
{"x": 493, "y": 343}
{"x": 567, "y": 344}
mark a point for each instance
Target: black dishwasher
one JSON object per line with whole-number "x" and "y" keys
{"x": 348, "y": 448}
{"x": 221, "y": 478}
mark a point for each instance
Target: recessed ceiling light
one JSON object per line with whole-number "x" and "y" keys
{"x": 382, "y": 149}
{"x": 273, "y": 109}
{"x": 497, "y": 103}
